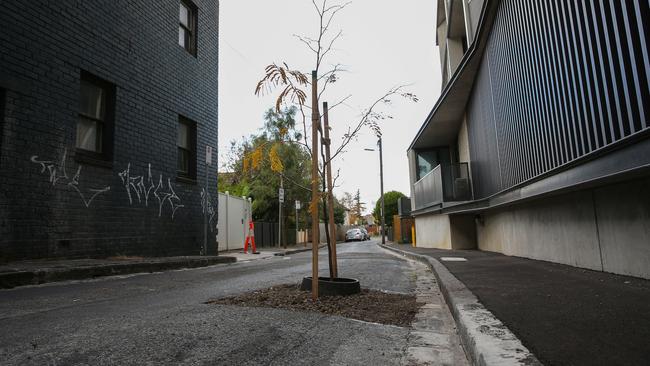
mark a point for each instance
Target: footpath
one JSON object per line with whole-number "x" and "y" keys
{"x": 268, "y": 252}
{"x": 35, "y": 272}
{"x": 563, "y": 315}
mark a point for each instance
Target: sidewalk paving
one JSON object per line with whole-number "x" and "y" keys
{"x": 34, "y": 272}
{"x": 564, "y": 315}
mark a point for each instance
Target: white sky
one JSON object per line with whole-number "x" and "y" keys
{"x": 384, "y": 44}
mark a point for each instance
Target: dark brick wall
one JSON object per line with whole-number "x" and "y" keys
{"x": 44, "y": 46}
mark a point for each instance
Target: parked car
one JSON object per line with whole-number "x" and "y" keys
{"x": 354, "y": 234}
{"x": 365, "y": 232}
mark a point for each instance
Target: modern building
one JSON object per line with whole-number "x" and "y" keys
{"x": 106, "y": 109}
{"x": 539, "y": 145}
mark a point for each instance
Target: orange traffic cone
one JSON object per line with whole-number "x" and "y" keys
{"x": 250, "y": 238}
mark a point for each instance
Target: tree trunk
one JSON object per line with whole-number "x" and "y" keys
{"x": 334, "y": 272}
{"x": 315, "y": 124}
{"x": 327, "y": 236}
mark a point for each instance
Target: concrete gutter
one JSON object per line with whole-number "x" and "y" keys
{"x": 73, "y": 271}
{"x": 486, "y": 339}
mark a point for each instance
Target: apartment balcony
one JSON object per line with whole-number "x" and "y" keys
{"x": 445, "y": 183}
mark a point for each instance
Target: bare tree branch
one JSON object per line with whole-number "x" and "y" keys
{"x": 307, "y": 41}
{"x": 370, "y": 118}
{"x": 338, "y": 174}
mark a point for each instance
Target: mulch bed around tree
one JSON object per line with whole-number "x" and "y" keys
{"x": 370, "y": 305}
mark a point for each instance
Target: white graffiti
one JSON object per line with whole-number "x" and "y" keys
{"x": 74, "y": 183}
{"x": 55, "y": 170}
{"x": 206, "y": 202}
{"x": 58, "y": 174}
{"x": 137, "y": 185}
{"x": 170, "y": 196}
{"x": 141, "y": 187}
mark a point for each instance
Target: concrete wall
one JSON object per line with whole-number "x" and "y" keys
{"x": 463, "y": 143}
{"x": 463, "y": 233}
{"x": 433, "y": 231}
{"x": 445, "y": 232}
{"x": 412, "y": 160}
{"x": 455, "y": 53}
{"x": 623, "y": 216}
{"x": 560, "y": 229}
{"x": 442, "y": 43}
{"x": 603, "y": 229}
{"x": 472, "y": 16}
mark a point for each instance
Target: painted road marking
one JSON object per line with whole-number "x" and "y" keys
{"x": 453, "y": 259}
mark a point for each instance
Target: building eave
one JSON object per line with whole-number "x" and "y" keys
{"x": 441, "y": 125}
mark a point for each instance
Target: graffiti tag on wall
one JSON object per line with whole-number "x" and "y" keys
{"x": 58, "y": 174}
{"x": 142, "y": 187}
{"x": 206, "y": 204}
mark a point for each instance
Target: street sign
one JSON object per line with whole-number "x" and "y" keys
{"x": 281, "y": 195}
{"x": 297, "y": 205}
{"x": 208, "y": 155}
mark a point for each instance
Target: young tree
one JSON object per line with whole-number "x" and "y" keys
{"x": 293, "y": 85}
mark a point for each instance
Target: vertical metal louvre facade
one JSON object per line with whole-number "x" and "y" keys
{"x": 559, "y": 80}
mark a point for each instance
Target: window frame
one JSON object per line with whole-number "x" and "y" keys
{"x": 190, "y": 174}
{"x": 107, "y": 124}
{"x": 191, "y": 28}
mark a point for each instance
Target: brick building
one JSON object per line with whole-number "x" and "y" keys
{"x": 106, "y": 109}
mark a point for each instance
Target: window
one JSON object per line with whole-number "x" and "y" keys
{"x": 186, "y": 143}
{"x": 429, "y": 159}
{"x": 187, "y": 26}
{"x": 95, "y": 127}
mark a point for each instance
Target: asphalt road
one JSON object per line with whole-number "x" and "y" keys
{"x": 162, "y": 318}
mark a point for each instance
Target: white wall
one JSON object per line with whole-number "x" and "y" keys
{"x": 433, "y": 231}
{"x": 233, "y": 222}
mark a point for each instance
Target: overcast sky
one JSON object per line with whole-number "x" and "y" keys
{"x": 384, "y": 44}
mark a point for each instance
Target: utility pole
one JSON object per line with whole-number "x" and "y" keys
{"x": 315, "y": 236}
{"x": 330, "y": 193}
{"x": 381, "y": 184}
{"x": 208, "y": 162}
{"x": 281, "y": 200}
{"x": 297, "y": 222}
{"x": 226, "y": 226}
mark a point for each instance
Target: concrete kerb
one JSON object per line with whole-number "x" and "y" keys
{"x": 294, "y": 251}
{"x": 39, "y": 276}
{"x": 486, "y": 339}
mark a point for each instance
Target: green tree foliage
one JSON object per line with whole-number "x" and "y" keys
{"x": 339, "y": 213}
{"x": 390, "y": 207}
{"x": 256, "y": 164}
